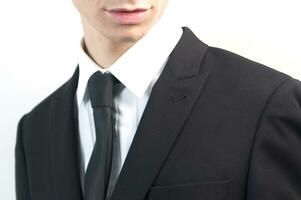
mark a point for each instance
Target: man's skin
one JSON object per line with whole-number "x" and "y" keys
{"x": 107, "y": 39}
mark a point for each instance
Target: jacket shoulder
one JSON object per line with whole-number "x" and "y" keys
{"x": 240, "y": 82}
{"x": 242, "y": 71}
{"x": 242, "y": 65}
{"x": 43, "y": 108}
{"x": 40, "y": 113}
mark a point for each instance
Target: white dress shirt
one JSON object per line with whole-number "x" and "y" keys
{"x": 137, "y": 69}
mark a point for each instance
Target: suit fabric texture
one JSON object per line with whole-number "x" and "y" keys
{"x": 217, "y": 126}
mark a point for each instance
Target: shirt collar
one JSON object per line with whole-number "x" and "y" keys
{"x": 137, "y": 67}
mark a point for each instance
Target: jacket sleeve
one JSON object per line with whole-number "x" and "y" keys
{"x": 275, "y": 164}
{"x": 21, "y": 177}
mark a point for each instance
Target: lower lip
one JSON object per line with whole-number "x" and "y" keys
{"x": 134, "y": 17}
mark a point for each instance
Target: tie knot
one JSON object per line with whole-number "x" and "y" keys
{"x": 100, "y": 88}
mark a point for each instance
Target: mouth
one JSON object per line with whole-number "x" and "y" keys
{"x": 128, "y": 16}
{"x": 127, "y": 9}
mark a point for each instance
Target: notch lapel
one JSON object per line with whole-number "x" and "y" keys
{"x": 169, "y": 105}
{"x": 64, "y": 142}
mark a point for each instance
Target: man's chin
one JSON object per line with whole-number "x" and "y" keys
{"x": 129, "y": 36}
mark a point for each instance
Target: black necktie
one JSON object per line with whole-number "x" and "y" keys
{"x": 100, "y": 88}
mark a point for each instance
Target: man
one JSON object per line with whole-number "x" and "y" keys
{"x": 151, "y": 112}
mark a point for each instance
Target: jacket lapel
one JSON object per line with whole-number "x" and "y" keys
{"x": 64, "y": 142}
{"x": 169, "y": 105}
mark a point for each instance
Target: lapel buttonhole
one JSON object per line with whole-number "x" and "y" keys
{"x": 178, "y": 98}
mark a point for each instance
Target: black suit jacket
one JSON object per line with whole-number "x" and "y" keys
{"x": 217, "y": 126}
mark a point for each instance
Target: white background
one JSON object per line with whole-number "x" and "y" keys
{"x": 39, "y": 41}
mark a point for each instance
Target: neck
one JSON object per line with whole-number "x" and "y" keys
{"x": 101, "y": 49}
